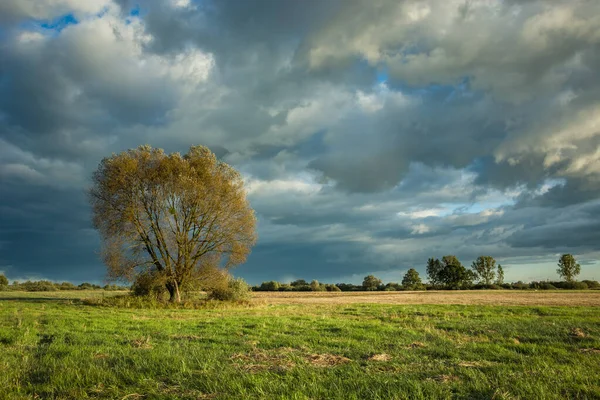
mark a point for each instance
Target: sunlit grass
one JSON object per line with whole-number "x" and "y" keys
{"x": 61, "y": 349}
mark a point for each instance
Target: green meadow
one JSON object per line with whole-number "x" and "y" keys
{"x": 58, "y": 347}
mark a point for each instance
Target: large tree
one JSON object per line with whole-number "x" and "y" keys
{"x": 170, "y": 215}
{"x": 568, "y": 267}
{"x": 484, "y": 269}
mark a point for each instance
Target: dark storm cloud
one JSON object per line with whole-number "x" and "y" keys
{"x": 372, "y": 136}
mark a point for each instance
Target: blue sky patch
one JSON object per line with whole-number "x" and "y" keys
{"x": 60, "y": 23}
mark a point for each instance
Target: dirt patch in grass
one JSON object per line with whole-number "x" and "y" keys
{"x": 462, "y": 297}
{"x": 415, "y": 345}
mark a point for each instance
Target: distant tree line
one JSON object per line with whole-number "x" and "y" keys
{"x": 445, "y": 274}
{"x": 48, "y": 286}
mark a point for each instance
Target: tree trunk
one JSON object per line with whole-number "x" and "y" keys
{"x": 174, "y": 295}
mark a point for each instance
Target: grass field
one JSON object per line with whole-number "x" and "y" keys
{"x": 305, "y": 346}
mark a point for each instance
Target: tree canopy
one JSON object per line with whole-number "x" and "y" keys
{"x": 484, "y": 269}
{"x": 568, "y": 267}
{"x": 179, "y": 217}
{"x": 371, "y": 282}
{"x": 412, "y": 280}
{"x": 500, "y": 275}
{"x": 449, "y": 272}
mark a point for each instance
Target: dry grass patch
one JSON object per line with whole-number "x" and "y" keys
{"x": 284, "y": 358}
{"x": 380, "y": 357}
{"x": 577, "y": 333}
{"x": 475, "y": 364}
{"x": 445, "y": 378}
{"x": 590, "y": 351}
{"x": 261, "y": 360}
{"x": 327, "y": 360}
{"x": 185, "y": 337}
{"x": 141, "y": 343}
{"x": 175, "y": 391}
{"x": 415, "y": 345}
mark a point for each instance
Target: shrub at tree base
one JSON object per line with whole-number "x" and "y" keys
{"x": 236, "y": 290}
{"x": 3, "y": 282}
{"x": 149, "y": 284}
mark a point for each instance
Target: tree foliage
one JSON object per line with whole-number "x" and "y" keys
{"x": 449, "y": 272}
{"x": 500, "y": 275}
{"x": 371, "y": 282}
{"x": 434, "y": 266}
{"x": 412, "y": 280}
{"x": 179, "y": 217}
{"x": 3, "y": 280}
{"x": 568, "y": 267}
{"x": 484, "y": 269}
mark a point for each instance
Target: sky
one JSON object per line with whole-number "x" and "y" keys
{"x": 371, "y": 135}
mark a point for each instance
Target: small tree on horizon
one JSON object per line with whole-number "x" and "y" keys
{"x": 484, "y": 268}
{"x": 371, "y": 282}
{"x": 500, "y": 275}
{"x": 434, "y": 266}
{"x": 568, "y": 267}
{"x": 454, "y": 275}
{"x": 412, "y": 280}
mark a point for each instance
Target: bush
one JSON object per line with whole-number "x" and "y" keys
{"x": 591, "y": 284}
{"x": 37, "y": 286}
{"x": 520, "y": 285}
{"x": 542, "y": 286}
{"x": 149, "y": 284}
{"x": 3, "y": 282}
{"x": 113, "y": 287}
{"x": 66, "y": 286}
{"x": 332, "y": 288}
{"x": 271, "y": 286}
{"x": 88, "y": 286}
{"x": 236, "y": 290}
{"x": 574, "y": 285}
